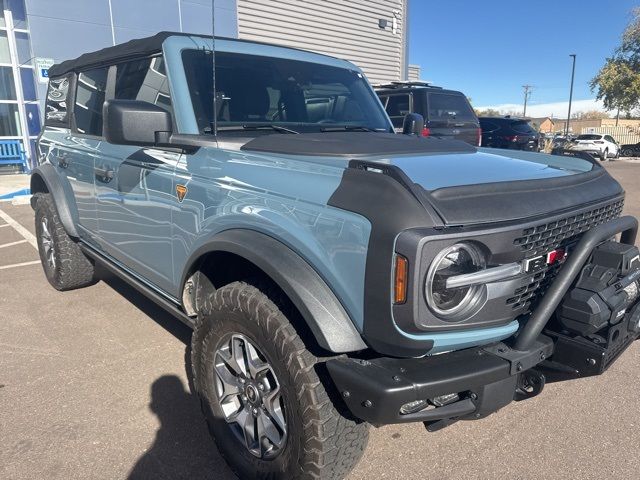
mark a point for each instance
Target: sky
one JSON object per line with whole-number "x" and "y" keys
{"x": 489, "y": 49}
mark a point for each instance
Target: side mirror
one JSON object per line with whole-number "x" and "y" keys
{"x": 413, "y": 124}
{"x": 133, "y": 122}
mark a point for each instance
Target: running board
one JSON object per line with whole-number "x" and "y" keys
{"x": 138, "y": 285}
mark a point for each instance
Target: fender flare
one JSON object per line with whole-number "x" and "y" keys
{"x": 320, "y": 308}
{"x": 62, "y": 195}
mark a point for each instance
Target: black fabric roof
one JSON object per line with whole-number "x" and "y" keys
{"x": 347, "y": 144}
{"x": 139, "y": 47}
{"x": 133, "y": 48}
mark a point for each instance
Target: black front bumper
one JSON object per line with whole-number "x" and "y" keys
{"x": 485, "y": 378}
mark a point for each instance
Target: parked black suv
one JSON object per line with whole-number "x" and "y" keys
{"x": 447, "y": 113}
{"x": 631, "y": 150}
{"x": 509, "y": 132}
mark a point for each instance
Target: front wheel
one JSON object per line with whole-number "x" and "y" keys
{"x": 64, "y": 264}
{"x": 627, "y": 153}
{"x": 261, "y": 393}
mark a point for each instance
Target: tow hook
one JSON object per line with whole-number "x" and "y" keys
{"x": 530, "y": 384}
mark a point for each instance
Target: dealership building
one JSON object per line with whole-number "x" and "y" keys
{"x": 36, "y": 33}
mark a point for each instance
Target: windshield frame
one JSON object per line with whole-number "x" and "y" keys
{"x": 375, "y": 116}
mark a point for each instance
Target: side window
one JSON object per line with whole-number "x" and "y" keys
{"x": 609, "y": 138}
{"x": 90, "y": 96}
{"x": 398, "y": 105}
{"x": 144, "y": 80}
{"x": 56, "y": 107}
{"x": 488, "y": 127}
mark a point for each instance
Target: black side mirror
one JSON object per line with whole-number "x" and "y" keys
{"x": 133, "y": 122}
{"x": 413, "y": 124}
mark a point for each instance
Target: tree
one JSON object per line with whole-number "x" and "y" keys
{"x": 592, "y": 115}
{"x": 618, "y": 81}
{"x": 489, "y": 112}
{"x": 617, "y": 85}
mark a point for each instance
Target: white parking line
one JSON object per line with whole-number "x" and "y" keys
{"x": 5, "y": 225}
{"x": 11, "y": 244}
{"x": 23, "y": 264}
{"x": 28, "y": 236}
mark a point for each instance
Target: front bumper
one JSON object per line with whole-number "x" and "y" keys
{"x": 482, "y": 380}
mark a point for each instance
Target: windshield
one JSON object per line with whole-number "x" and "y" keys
{"x": 255, "y": 90}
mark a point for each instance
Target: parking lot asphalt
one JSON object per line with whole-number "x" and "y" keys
{"x": 93, "y": 385}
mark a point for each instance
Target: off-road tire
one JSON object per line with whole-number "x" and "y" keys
{"x": 72, "y": 269}
{"x": 627, "y": 153}
{"x": 322, "y": 443}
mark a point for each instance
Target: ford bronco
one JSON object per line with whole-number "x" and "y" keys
{"x": 337, "y": 275}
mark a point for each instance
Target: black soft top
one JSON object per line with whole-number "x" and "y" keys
{"x": 139, "y": 47}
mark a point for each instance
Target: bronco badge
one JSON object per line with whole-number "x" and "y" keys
{"x": 181, "y": 192}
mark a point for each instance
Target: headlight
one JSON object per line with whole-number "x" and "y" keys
{"x": 454, "y": 303}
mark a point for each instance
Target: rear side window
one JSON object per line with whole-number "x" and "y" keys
{"x": 523, "y": 127}
{"x": 488, "y": 127}
{"x": 398, "y": 105}
{"x": 144, "y": 80}
{"x": 446, "y": 106}
{"x": 90, "y": 96}
{"x": 56, "y": 106}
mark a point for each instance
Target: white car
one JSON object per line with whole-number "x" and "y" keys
{"x": 597, "y": 144}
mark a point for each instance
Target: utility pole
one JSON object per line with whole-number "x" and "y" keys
{"x": 527, "y": 95}
{"x": 573, "y": 72}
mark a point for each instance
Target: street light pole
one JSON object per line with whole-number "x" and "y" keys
{"x": 573, "y": 72}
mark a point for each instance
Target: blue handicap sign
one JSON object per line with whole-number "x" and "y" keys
{"x": 44, "y": 72}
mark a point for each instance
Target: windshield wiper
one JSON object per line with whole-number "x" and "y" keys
{"x": 266, "y": 126}
{"x": 349, "y": 128}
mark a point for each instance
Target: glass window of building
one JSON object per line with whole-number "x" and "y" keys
{"x": 9, "y": 120}
{"x": 7, "y": 85}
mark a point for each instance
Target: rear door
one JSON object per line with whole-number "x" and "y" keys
{"x": 449, "y": 115}
{"x": 397, "y": 106}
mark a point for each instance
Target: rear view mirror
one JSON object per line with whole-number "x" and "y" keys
{"x": 413, "y": 124}
{"x": 133, "y": 122}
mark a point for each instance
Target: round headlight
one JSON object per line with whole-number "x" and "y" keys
{"x": 454, "y": 303}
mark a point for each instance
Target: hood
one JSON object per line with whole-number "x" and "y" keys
{"x": 465, "y": 185}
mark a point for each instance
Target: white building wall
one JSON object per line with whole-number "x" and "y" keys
{"x": 347, "y": 29}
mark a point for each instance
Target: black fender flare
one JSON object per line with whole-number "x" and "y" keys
{"x": 320, "y": 308}
{"x": 61, "y": 192}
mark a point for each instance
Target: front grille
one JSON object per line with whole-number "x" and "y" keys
{"x": 541, "y": 239}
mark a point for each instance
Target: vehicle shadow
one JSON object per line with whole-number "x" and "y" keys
{"x": 182, "y": 447}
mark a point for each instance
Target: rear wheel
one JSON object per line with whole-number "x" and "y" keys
{"x": 260, "y": 390}
{"x": 604, "y": 155}
{"x": 627, "y": 153}
{"x": 64, "y": 264}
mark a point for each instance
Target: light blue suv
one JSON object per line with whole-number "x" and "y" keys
{"x": 336, "y": 274}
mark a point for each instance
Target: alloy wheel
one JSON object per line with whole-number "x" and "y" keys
{"x": 250, "y": 396}
{"x": 47, "y": 243}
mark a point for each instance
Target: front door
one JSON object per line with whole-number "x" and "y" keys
{"x": 134, "y": 186}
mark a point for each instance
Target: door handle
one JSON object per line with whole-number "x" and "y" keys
{"x": 104, "y": 174}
